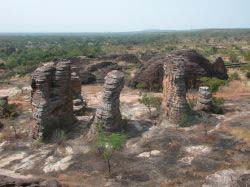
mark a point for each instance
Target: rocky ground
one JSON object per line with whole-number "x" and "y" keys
{"x": 155, "y": 155}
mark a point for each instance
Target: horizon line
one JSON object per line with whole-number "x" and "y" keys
{"x": 133, "y": 31}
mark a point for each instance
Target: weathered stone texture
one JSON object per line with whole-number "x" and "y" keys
{"x": 6, "y": 181}
{"x": 79, "y": 103}
{"x": 3, "y": 106}
{"x": 51, "y": 96}
{"x": 174, "y": 89}
{"x": 108, "y": 112}
{"x": 204, "y": 102}
{"x": 219, "y": 69}
{"x": 197, "y": 66}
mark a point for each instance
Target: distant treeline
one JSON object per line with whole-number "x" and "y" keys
{"x": 20, "y": 52}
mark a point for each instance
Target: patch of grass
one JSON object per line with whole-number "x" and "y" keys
{"x": 213, "y": 83}
{"x": 217, "y": 104}
{"x": 107, "y": 143}
{"x": 243, "y": 134}
{"x": 59, "y": 136}
{"x": 247, "y": 75}
{"x": 141, "y": 86}
{"x": 234, "y": 76}
{"x": 184, "y": 121}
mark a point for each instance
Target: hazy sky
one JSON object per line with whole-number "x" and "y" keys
{"x": 121, "y": 15}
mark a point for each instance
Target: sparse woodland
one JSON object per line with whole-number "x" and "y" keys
{"x": 127, "y": 109}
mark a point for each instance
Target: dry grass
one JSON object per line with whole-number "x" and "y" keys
{"x": 243, "y": 134}
{"x": 234, "y": 88}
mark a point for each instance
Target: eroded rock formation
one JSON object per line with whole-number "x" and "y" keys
{"x": 196, "y": 67}
{"x": 79, "y": 103}
{"x": 174, "y": 89}
{"x": 219, "y": 69}
{"x": 51, "y": 97}
{"x": 108, "y": 112}
{"x": 6, "y": 181}
{"x": 204, "y": 102}
{"x": 3, "y": 106}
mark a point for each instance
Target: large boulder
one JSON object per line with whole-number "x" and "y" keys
{"x": 87, "y": 77}
{"x": 100, "y": 70}
{"x": 219, "y": 69}
{"x": 149, "y": 76}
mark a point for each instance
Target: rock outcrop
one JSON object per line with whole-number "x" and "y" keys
{"x": 219, "y": 69}
{"x": 195, "y": 64}
{"x": 100, "y": 70}
{"x": 108, "y": 112}
{"x": 3, "y": 106}
{"x": 204, "y": 102}
{"x": 51, "y": 97}
{"x": 6, "y": 181}
{"x": 79, "y": 103}
{"x": 174, "y": 89}
{"x": 150, "y": 76}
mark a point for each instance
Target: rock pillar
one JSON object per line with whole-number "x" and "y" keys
{"x": 174, "y": 89}
{"x": 51, "y": 97}
{"x": 108, "y": 112}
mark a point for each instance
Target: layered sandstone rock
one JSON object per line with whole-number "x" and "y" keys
{"x": 79, "y": 103}
{"x": 108, "y": 112}
{"x": 196, "y": 67}
{"x": 6, "y": 181}
{"x": 3, "y": 106}
{"x": 174, "y": 89}
{"x": 51, "y": 97}
{"x": 204, "y": 102}
{"x": 219, "y": 69}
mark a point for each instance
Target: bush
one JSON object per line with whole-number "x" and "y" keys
{"x": 213, "y": 83}
{"x": 59, "y": 136}
{"x": 150, "y": 102}
{"x": 107, "y": 143}
{"x": 234, "y": 76}
{"x": 217, "y": 104}
{"x": 141, "y": 86}
{"x": 183, "y": 121}
{"x": 247, "y": 75}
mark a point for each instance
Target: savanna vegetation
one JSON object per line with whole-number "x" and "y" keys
{"x": 23, "y": 52}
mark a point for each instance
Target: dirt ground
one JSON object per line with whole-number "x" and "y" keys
{"x": 156, "y": 155}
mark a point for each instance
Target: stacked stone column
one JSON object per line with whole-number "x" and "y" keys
{"x": 174, "y": 89}
{"x": 108, "y": 112}
{"x": 79, "y": 104}
{"x": 51, "y": 99}
{"x": 204, "y": 102}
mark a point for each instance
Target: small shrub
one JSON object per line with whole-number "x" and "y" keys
{"x": 247, "y": 75}
{"x": 192, "y": 102}
{"x": 234, "y": 76}
{"x": 218, "y": 105}
{"x": 213, "y": 83}
{"x": 141, "y": 86}
{"x": 107, "y": 143}
{"x": 183, "y": 121}
{"x": 150, "y": 102}
{"x": 59, "y": 136}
